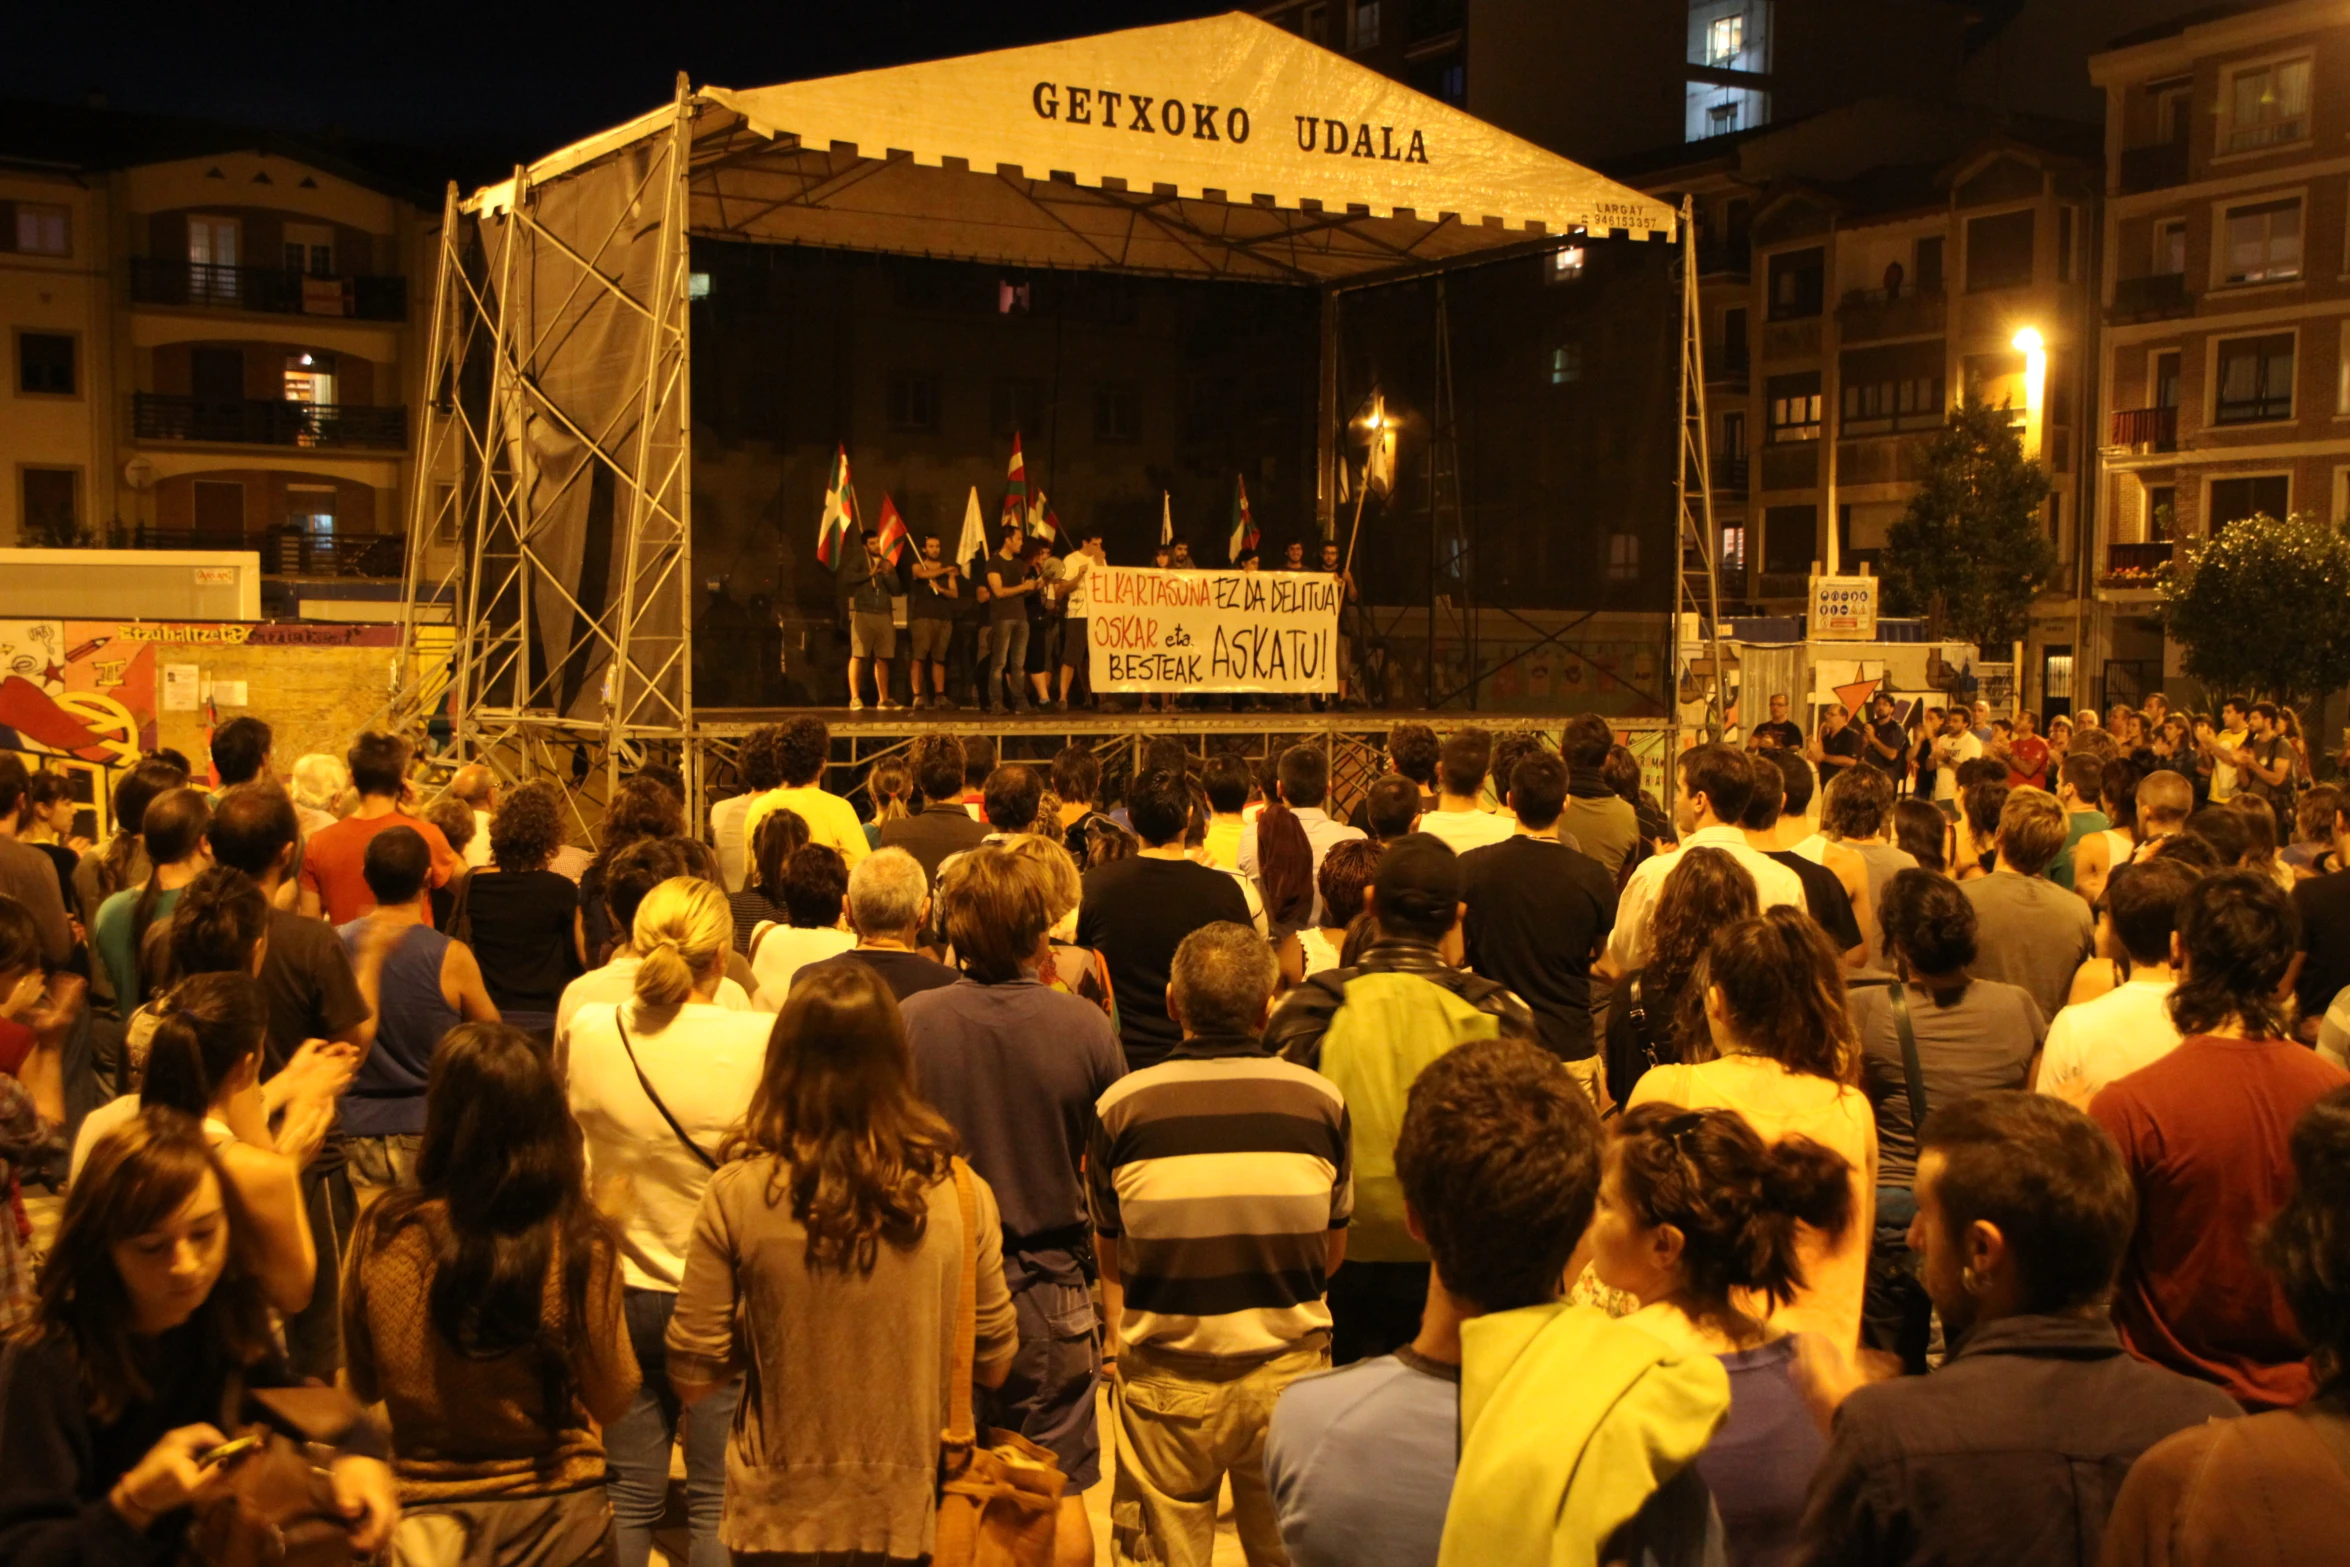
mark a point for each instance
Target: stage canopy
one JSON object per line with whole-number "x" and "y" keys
{"x": 1223, "y": 147}
{"x": 559, "y": 434}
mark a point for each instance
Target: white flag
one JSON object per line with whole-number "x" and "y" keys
{"x": 1166, "y": 521}
{"x": 974, "y": 540}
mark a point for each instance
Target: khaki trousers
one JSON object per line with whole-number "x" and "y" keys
{"x": 1181, "y": 1423}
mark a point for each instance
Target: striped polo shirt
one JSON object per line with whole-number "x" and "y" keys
{"x": 1220, "y": 1173}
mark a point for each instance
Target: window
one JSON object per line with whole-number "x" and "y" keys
{"x": 1117, "y": 411}
{"x": 1725, "y": 39}
{"x": 2262, "y": 242}
{"x": 2064, "y": 244}
{"x": 1015, "y": 404}
{"x": 44, "y": 364}
{"x": 913, "y": 401}
{"x": 52, "y": 505}
{"x": 2170, "y": 247}
{"x": 2234, "y": 499}
{"x": 1790, "y": 539}
{"x": 43, "y": 229}
{"x": 1930, "y": 265}
{"x": 1710, "y": 109}
{"x": 1365, "y": 31}
{"x": 1444, "y": 77}
{"x": 1875, "y": 407}
{"x": 1734, "y": 436}
{"x": 310, "y": 378}
{"x": 1733, "y": 556}
{"x": 2268, "y": 106}
{"x": 1721, "y": 119}
{"x": 212, "y": 242}
{"x": 310, "y": 508}
{"x": 1314, "y": 24}
{"x": 1798, "y": 280}
{"x": 2162, "y": 512}
{"x": 310, "y": 249}
{"x": 1566, "y": 264}
{"x": 2166, "y": 378}
{"x": 2173, "y": 116}
{"x": 1734, "y": 338}
{"x": 2255, "y": 379}
{"x": 1623, "y": 557}
{"x": 1566, "y": 364}
{"x": 1999, "y": 250}
{"x": 1795, "y": 407}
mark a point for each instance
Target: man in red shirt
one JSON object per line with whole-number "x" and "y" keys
{"x": 2205, "y": 1132}
{"x": 334, "y": 860}
{"x": 2027, "y": 755}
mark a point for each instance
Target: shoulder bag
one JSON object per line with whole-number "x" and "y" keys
{"x": 280, "y": 1509}
{"x": 1913, "y": 1075}
{"x": 999, "y": 1494}
{"x": 646, "y": 1084}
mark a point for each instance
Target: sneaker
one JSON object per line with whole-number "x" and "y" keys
{"x": 1024, "y": 706}
{"x": 856, "y": 704}
{"x": 947, "y": 703}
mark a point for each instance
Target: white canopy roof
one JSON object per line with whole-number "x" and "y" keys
{"x": 1221, "y": 147}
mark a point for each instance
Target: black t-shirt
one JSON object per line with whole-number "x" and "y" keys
{"x": 1011, "y": 573}
{"x": 1135, "y": 914}
{"x": 522, "y": 934}
{"x": 1844, "y": 742}
{"x": 2323, "y": 903}
{"x": 1537, "y": 912}
{"x": 905, "y": 973}
{"x": 306, "y": 977}
{"x": 1824, "y": 895}
{"x": 924, "y": 601}
{"x": 1784, "y": 732}
{"x": 1890, "y": 733}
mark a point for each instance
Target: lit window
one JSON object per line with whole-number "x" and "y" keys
{"x": 2255, "y": 379}
{"x": 1566, "y": 264}
{"x": 1623, "y": 557}
{"x": 1566, "y": 364}
{"x": 1725, "y": 39}
{"x": 2264, "y": 242}
{"x": 2170, "y": 247}
{"x": 1733, "y": 556}
{"x": 43, "y": 229}
{"x": 1796, "y": 417}
{"x": 2268, "y": 106}
{"x": 697, "y": 285}
{"x": 1366, "y": 24}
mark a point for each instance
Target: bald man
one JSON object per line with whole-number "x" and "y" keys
{"x": 477, "y": 786}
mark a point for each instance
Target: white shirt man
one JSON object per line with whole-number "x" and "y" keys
{"x": 2093, "y": 1043}
{"x": 1705, "y": 823}
{"x": 1955, "y": 745}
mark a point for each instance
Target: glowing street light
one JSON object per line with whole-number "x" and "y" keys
{"x": 2035, "y": 352}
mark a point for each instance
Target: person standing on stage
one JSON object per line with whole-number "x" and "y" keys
{"x": 1346, "y": 601}
{"x": 1182, "y": 560}
{"x": 1076, "y": 591}
{"x": 1009, "y": 582}
{"x": 931, "y": 601}
{"x": 1293, "y": 555}
{"x": 871, "y": 635}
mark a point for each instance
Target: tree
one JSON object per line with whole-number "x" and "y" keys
{"x": 1969, "y": 552}
{"x": 2263, "y": 607}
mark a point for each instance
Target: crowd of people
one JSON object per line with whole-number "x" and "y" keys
{"x": 1502, "y": 1164}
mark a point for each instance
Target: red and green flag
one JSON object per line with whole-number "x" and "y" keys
{"x": 1015, "y": 512}
{"x": 1244, "y": 526}
{"x": 894, "y": 537}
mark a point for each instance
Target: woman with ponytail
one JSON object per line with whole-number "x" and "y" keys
{"x": 1785, "y": 1056}
{"x": 482, "y": 1306}
{"x": 1699, "y": 1220}
{"x": 172, "y": 832}
{"x": 123, "y": 861}
{"x": 654, "y": 1083}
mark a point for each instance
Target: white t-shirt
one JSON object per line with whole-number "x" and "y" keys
{"x": 1077, "y": 572}
{"x": 112, "y": 1116}
{"x": 780, "y": 951}
{"x": 1949, "y": 751}
{"x": 1321, "y": 952}
{"x": 726, "y": 836}
{"x": 1774, "y": 884}
{"x": 615, "y": 982}
{"x": 2092, "y": 1043}
{"x": 477, "y": 848}
{"x": 1466, "y": 830}
{"x": 705, "y": 1065}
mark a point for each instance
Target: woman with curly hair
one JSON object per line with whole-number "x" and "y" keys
{"x": 1656, "y": 1011}
{"x": 1785, "y": 1056}
{"x": 642, "y": 809}
{"x": 522, "y": 920}
{"x": 829, "y": 1254}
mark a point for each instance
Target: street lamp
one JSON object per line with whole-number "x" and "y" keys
{"x": 2035, "y": 351}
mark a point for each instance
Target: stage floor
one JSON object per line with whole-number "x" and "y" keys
{"x": 878, "y": 722}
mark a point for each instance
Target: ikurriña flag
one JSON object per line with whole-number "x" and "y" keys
{"x": 1015, "y": 512}
{"x": 840, "y": 512}
{"x": 1244, "y": 526}
{"x": 894, "y": 537}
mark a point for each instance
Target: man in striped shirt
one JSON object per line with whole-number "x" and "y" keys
{"x": 1221, "y": 1190}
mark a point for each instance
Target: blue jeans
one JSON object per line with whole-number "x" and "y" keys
{"x": 636, "y": 1446}
{"x": 1011, "y": 648}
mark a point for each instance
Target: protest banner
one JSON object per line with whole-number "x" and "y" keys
{"x": 1177, "y": 631}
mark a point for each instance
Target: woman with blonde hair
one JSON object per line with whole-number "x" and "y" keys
{"x": 655, "y": 1082}
{"x": 1786, "y": 1057}
{"x": 1078, "y": 971}
{"x": 890, "y": 784}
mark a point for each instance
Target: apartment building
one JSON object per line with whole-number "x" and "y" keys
{"x": 210, "y": 338}
{"x": 2226, "y": 294}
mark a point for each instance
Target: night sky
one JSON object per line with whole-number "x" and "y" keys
{"x": 495, "y": 82}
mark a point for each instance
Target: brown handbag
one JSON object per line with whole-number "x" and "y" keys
{"x": 281, "y": 1510}
{"x": 999, "y": 1494}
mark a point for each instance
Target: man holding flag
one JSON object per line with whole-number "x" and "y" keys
{"x": 869, "y": 574}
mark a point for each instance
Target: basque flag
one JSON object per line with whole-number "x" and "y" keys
{"x": 1244, "y": 526}
{"x": 840, "y": 512}
{"x": 1015, "y": 510}
{"x": 893, "y": 531}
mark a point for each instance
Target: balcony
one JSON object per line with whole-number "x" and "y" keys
{"x": 270, "y": 290}
{"x": 2153, "y": 168}
{"x": 1868, "y": 314}
{"x": 285, "y": 552}
{"x": 2134, "y": 565}
{"x": 2157, "y": 296}
{"x": 1727, "y": 362}
{"x": 1722, "y": 257}
{"x": 2146, "y": 430}
{"x": 1730, "y": 473}
{"x": 262, "y": 421}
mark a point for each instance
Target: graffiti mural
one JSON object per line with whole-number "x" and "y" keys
{"x": 76, "y": 688}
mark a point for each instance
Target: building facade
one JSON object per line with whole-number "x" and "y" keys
{"x": 2226, "y": 292}
{"x": 212, "y": 342}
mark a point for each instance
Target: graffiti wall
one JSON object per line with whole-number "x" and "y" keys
{"x": 77, "y": 688}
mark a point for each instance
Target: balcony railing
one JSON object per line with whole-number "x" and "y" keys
{"x": 285, "y": 552}
{"x": 2153, "y": 168}
{"x": 2136, "y": 564}
{"x": 1730, "y": 473}
{"x": 272, "y": 290}
{"x": 2154, "y": 297}
{"x": 2147, "y": 429}
{"x": 263, "y": 421}
{"x": 1866, "y": 314}
{"x": 1728, "y": 361}
{"x": 1719, "y": 256}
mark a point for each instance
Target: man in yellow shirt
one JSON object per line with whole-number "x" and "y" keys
{"x": 801, "y": 750}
